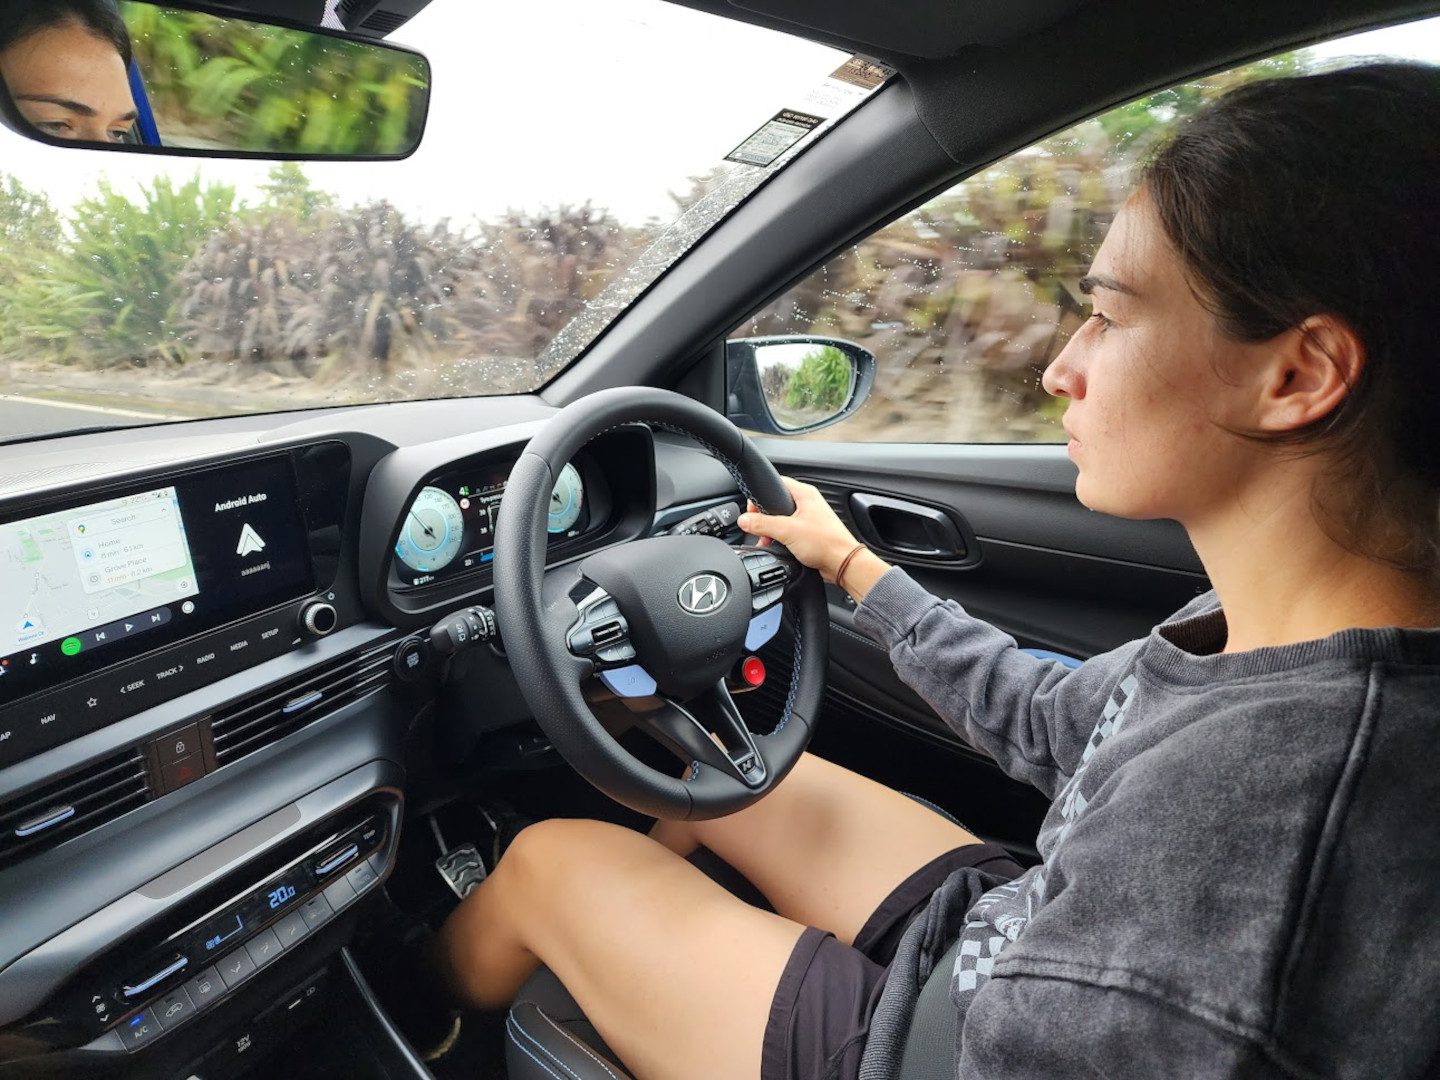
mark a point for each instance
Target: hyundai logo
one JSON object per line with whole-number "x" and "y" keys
{"x": 703, "y": 593}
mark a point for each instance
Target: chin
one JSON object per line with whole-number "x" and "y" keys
{"x": 1096, "y": 496}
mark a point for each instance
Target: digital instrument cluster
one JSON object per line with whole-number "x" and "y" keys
{"x": 450, "y": 525}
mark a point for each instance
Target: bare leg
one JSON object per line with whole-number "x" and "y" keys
{"x": 826, "y": 846}
{"x": 674, "y": 972}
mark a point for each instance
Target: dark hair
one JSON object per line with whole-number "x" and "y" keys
{"x": 101, "y": 17}
{"x": 1320, "y": 195}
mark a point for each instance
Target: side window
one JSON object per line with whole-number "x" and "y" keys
{"x": 966, "y": 299}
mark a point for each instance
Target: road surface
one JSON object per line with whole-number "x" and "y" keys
{"x": 20, "y": 415}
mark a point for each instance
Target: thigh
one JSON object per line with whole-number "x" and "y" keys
{"x": 827, "y": 846}
{"x": 676, "y": 974}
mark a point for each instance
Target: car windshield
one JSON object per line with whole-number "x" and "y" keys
{"x": 573, "y": 152}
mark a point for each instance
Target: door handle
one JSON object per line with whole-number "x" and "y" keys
{"x": 907, "y": 528}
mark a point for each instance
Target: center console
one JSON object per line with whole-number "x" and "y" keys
{"x": 136, "y": 593}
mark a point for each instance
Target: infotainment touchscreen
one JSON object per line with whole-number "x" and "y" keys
{"x": 94, "y": 575}
{"x": 99, "y": 581}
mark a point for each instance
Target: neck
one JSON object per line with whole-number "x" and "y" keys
{"x": 1281, "y": 579}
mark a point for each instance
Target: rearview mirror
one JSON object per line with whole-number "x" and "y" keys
{"x": 791, "y": 384}
{"x": 144, "y": 77}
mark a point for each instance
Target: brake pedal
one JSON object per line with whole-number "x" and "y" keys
{"x": 462, "y": 868}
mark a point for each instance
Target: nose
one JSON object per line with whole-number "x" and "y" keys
{"x": 1062, "y": 376}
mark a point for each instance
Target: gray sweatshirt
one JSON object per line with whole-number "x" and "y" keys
{"x": 1241, "y": 870}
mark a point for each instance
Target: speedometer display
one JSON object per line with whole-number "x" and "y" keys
{"x": 433, "y": 532}
{"x": 566, "y": 500}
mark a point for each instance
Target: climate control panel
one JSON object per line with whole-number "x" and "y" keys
{"x": 144, "y": 992}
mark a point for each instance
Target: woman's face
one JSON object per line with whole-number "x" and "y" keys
{"x": 1150, "y": 377}
{"x": 70, "y": 84}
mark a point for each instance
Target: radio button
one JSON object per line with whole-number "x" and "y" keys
{"x": 177, "y": 774}
{"x": 205, "y": 987}
{"x": 236, "y": 968}
{"x": 178, "y": 745}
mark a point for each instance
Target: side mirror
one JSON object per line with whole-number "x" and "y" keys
{"x": 140, "y": 77}
{"x": 791, "y": 384}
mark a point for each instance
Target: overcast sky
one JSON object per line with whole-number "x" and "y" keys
{"x": 557, "y": 101}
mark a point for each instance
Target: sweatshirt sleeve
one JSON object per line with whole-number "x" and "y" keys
{"x": 1032, "y": 716}
{"x": 1031, "y": 1028}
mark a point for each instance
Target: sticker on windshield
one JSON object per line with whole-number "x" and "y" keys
{"x": 778, "y": 134}
{"x": 866, "y": 74}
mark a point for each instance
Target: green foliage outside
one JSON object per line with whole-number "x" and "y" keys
{"x": 232, "y": 83}
{"x": 102, "y": 292}
{"x": 351, "y": 301}
{"x": 821, "y": 384}
{"x": 965, "y": 300}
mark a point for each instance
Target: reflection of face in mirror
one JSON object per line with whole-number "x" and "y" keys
{"x": 65, "y": 64}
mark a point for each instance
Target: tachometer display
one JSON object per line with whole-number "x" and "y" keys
{"x": 566, "y": 500}
{"x": 433, "y": 532}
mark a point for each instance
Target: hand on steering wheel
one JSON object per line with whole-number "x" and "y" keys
{"x": 814, "y": 533}
{"x": 659, "y": 621}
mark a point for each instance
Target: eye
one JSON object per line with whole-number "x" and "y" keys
{"x": 1103, "y": 320}
{"x": 53, "y": 127}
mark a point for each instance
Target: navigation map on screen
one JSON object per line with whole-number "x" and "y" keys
{"x": 93, "y": 573}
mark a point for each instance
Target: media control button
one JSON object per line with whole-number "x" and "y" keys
{"x": 177, "y": 774}
{"x": 291, "y": 928}
{"x": 178, "y": 745}
{"x": 173, "y": 1008}
{"x": 205, "y": 987}
{"x": 263, "y": 947}
{"x": 236, "y": 968}
{"x": 140, "y": 1029}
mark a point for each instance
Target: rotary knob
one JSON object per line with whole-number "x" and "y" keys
{"x": 317, "y": 618}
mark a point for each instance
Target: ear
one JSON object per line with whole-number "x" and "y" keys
{"x": 1312, "y": 367}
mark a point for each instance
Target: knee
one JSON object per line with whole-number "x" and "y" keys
{"x": 547, "y": 854}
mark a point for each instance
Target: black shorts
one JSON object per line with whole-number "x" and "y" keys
{"x": 820, "y": 1015}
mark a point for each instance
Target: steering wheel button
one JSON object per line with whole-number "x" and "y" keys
{"x": 762, "y": 628}
{"x": 753, "y": 670}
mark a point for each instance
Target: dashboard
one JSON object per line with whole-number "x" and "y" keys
{"x": 212, "y": 675}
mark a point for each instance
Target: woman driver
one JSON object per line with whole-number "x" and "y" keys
{"x": 1239, "y": 873}
{"x": 65, "y": 63}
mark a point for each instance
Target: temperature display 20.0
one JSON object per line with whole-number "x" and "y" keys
{"x": 279, "y": 897}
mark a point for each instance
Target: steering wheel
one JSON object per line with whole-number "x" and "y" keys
{"x": 658, "y": 622}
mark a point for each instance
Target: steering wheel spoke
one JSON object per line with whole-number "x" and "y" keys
{"x": 600, "y": 633}
{"x": 708, "y": 730}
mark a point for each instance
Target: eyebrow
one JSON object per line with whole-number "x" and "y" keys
{"x": 73, "y": 106}
{"x": 1090, "y": 282}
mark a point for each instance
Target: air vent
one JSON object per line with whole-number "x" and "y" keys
{"x": 383, "y": 22}
{"x": 255, "y": 722}
{"x": 63, "y": 809}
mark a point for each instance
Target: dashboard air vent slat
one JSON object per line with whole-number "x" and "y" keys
{"x": 255, "y": 722}
{"x": 83, "y": 800}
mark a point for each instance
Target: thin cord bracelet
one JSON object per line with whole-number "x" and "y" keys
{"x": 845, "y": 563}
